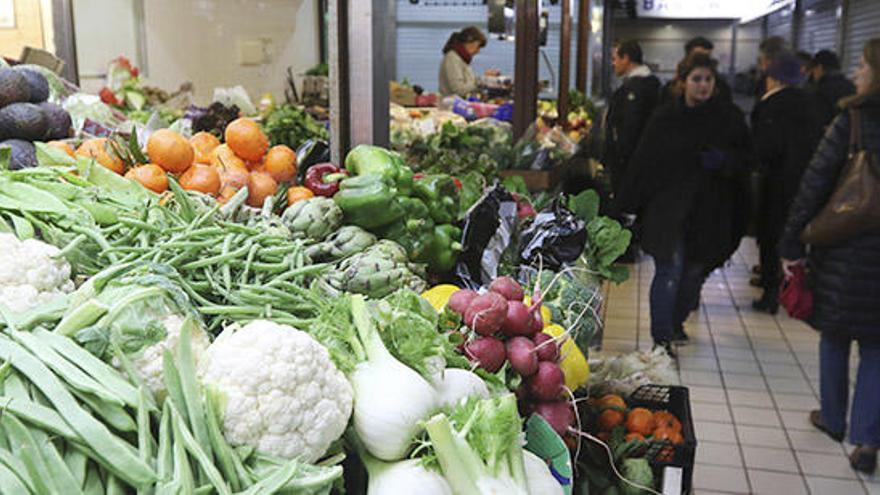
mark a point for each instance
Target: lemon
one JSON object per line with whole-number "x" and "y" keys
{"x": 439, "y": 295}
{"x": 574, "y": 364}
{"x": 545, "y": 312}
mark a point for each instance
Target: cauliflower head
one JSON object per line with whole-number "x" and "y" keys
{"x": 147, "y": 361}
{"x": 283, "y": 394}
{"x": 30, "y": 274}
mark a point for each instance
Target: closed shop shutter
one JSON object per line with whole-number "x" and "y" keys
{"x": 423, "y": 28}
{"x": 862, "y": 24}
{"x": 779, "y": 23}
{"x": 819, "y": 30}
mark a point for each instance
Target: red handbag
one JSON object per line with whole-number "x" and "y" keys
{"x": 796, "y": 297}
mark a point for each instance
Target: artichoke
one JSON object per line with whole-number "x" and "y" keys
{"x": 314, "y": 218}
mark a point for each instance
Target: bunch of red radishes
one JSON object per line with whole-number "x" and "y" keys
{"x": 508, "y": 330}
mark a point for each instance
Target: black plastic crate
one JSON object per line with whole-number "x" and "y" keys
{"x": 677, "y": 401}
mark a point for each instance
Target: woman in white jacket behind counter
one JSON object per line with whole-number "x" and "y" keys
{"x": 456, "y": 75}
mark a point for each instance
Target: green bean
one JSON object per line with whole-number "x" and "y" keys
{"x": 99, "y": 239}
{"x": 130, "y": 222}
{"x": 226, "y": 271}
{"x": 38, "y": 415}
{"x": 94, "y": 367}
{"x": 213, "y": 260}
{"x": 72, "y": 245}
{"x": 65, "y": 370}
{"x": 17, "y": 466}
{"x": 25, "y": 447}
{"x": 57, "y": 468}
{"x": 194, "y": 447}
{"x": 112, "y": 414}
{"x": 164, "y": 455}
{"x": 113, "y": 452}
{"x": 228, "y": 461}
{"x": 192, "y": 394}
{"x": 77, "y": 462}
{"x": 10, "y": 482}
{"x": 93, "y": 484}
{"x": 114, "y": 486}
{"x": 182, "y": 470}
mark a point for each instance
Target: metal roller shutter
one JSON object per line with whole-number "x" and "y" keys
{"x": 862, "y": 24}
{"x": 819, "y": 30}
{"x": 779, "y": 23}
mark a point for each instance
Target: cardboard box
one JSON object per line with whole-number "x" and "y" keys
{"x": 402, "y": 95}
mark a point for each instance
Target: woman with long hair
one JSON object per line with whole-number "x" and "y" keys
{"x": 688, "y": 182}
{"x": 456, "y": 76}
{"x": 845, "y": 277}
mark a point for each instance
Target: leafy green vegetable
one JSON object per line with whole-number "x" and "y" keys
{"x": 458, "y": 150}
{"x": 638, "y": 471}
{"x": 607, "y": 240}
{"x": 574, "y": 303}
{"x": 291, "y": 126}
{"x": 585, "y": 205}
{"x": 515, "y": 184}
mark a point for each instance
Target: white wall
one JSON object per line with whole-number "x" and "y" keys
{"x": 104, "y": 30}
{"x": 198, "y": 41}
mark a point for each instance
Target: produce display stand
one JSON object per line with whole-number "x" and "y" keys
{"x": 538, "y": 180}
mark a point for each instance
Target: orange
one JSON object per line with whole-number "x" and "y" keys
{"x": 260, "y": 186}
{"x": 280, "y": 163}
{"x": 226, "y": 193}
{"x": 298, "y": 193}
{"x": 246, "y": 139}
{"x": 61, "y": 145}
{"x": 641, "y": 421}
{"x": 234, "y": 176}
{"x": 609, "y": 419}
{"x": 223, "y": 157}
{"x": 203, "y": 144}
{"x": 170, "y": 150}
{"x": 667, "y": 420}
{"x": 611, "y": 400}
{"x": 99, "y": 150}
{"x": 634, "y": 436}
{"x": 151, "y": 176}
{"x": 202, "y": 178}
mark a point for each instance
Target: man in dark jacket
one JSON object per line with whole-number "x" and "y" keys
{"x": 672, "y": 90}
{"x": 629, "y": 108}
{"x": 830, "y": 84}
{"x": 785, "y": 133}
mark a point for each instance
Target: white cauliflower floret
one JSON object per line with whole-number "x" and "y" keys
{"x": 148, "y": 361}
{"x": 31, "y": 275}
{"x": 284, "y": 396}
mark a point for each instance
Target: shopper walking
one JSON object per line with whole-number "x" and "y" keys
{"x": 785, "y": 131}
{"x": 673, "y": 89}
{"x": 845, "y": 278}
{"x": 456, "y": 75}
{"x": 831, "y": 85}
{"x": 689, "y": 179}
{"x": 768, "y": 50}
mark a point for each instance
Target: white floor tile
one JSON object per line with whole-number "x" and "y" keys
{"x": 714, "y": 432}
{"x": 769, "y": 459}
{"x": 760, "y": 436}
{"x": 752, "y": 416}
{"x": 831, "y": 466}
{"x": 829, "y": 486}
{"x": 772, "y": 483}
{"x": 720, "y": 478}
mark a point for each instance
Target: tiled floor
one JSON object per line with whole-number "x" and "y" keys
{"x": 752, "y": 379}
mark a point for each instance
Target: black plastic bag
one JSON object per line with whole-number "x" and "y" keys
{"x": 489, "y": 229}
{"x": 557, "y": 237}
{"x": 311, "y": 152}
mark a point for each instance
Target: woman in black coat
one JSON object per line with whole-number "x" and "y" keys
{"x": 688, "y": 183}
{"x": 786, "y": 130}
{"x": 845, "y": 278}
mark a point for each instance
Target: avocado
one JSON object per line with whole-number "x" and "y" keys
{"x": 24, "y": 154}
{"x": 23, "y": 121}
{"x": 14, "y": 87}
{"x": 59, "y": 120}
{"x": 39, "y": 86}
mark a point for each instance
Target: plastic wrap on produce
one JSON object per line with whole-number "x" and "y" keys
{"x": 625, "y": 373}
{"x": 488, "y": 231}
{"x": 555, "y": 238}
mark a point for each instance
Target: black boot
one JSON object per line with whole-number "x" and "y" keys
{"x": 816, "y": 420}
{"x": 769, "y": 303}
{"x": 864, "y": 459}
{"x": 678, "y": 335}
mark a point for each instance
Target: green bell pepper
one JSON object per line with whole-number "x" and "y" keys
{"x": 373, "y": 160}
{"x": 414, "y": 231}
{"x": 369, "y": 201}
{"x": 442, "y": 250}
{"x": 439, "y": 192}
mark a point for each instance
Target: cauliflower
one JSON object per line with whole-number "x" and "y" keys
{"x": 31, "y": 275}
{"x": 283, "y": 394}
{"x": 147, "y": 361}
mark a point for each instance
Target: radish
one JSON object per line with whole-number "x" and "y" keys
{"x": 507, "y": 287}
{"x": 558, "y": 414}
{"x": 537, "y": 321}
{"x": 546, "y": 347}
{"x": 460, "y": 300}
{"x": 487, "y": 352}
{"x": 547, "y": 383}
{"x": 486, "y": 313}
{"x": 522, "y": 356}
{"x": 518, "y": 321}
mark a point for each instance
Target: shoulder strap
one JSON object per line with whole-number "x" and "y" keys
{"x": 855, "y": 133}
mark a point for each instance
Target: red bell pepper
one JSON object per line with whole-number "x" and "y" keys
{"x": 323, "y": 179}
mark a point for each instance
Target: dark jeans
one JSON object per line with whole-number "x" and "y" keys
{"x": 675, "y": 291}
{"x": 834, "y": 388}
{"x": 771, "y": 267}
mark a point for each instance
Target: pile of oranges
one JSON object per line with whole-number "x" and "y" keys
{"x": 639, "y": 423}
{"x": 203, "y": 163}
